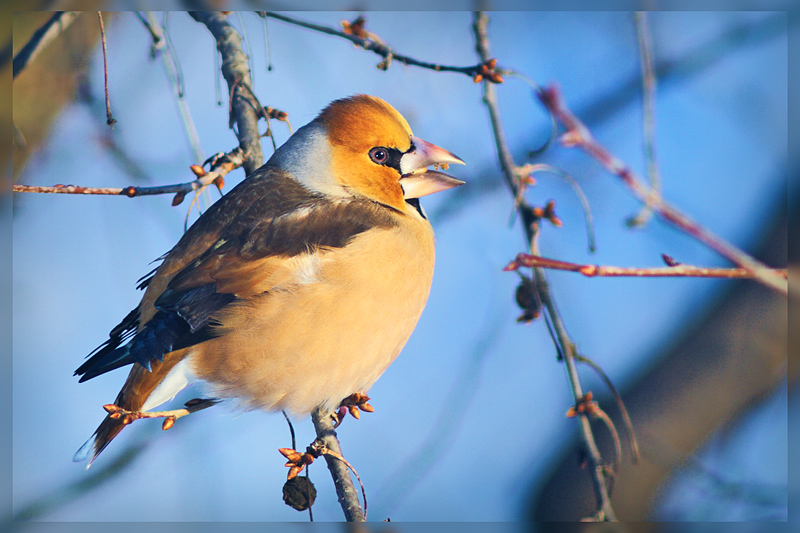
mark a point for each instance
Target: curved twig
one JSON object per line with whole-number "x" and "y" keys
{"x": 632, "y": 441}
{"x": 572, "y": 182}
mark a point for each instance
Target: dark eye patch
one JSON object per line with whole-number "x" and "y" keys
{"x": 388, "y": 157}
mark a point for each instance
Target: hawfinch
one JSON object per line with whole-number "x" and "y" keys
{"x": 300, "y": 286}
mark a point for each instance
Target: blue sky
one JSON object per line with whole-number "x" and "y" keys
{"x": 471, "y": 386}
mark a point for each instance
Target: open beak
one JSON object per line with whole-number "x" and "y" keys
{"x": 416, "y": 179}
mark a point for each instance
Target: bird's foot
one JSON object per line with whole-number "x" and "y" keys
{"x": 127, "y": 417}
{"x": 352, "y": 404}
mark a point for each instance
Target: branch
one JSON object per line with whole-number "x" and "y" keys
{"x": 676, "y": 271}
{"x": 225, "y": 164}
{"x": 565, "y": 344}
{"x": 370, "y": 42}
{"x": 59, "y": 22}
{"x": 578, "y": 134}
{"x": 648, "y": 112}
{"x": 110, "y": 120}
{"x": 237, "y": 74}
{"x": 345, "y": 490}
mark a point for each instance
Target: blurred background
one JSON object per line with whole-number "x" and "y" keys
{"x": 470, "y": 420}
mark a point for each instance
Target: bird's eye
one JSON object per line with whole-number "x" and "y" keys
{"x": 379, "y": 155}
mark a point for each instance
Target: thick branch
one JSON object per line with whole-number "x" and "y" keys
{"x": 244, "y": 110}
{"x": 345, "y": 489}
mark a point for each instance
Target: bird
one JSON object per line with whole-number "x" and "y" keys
{"x": 297, "y": 288}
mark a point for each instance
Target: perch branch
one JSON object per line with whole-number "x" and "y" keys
{"x": 345, "y": 490}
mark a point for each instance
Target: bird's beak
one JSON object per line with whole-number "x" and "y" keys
{"x": 417, "y": 180}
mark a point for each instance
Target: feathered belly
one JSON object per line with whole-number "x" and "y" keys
{"x": 330, "y": 332}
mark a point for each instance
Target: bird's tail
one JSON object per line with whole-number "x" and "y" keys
{"x": 108, "y": 429}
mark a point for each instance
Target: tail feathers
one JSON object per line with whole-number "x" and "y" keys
{"x": 105, "y": 433}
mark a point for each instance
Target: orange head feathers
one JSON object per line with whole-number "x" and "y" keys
{"x": 362, "y": 146}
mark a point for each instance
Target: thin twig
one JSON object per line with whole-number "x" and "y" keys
{"x": 376, "y": 46}
{"x": 632, "y": 441}
{"x": 232, "y": 161}
{"x": 736, "y": 38}
{"x": 175, "y": 74}
{"x": 648, "y": 112}
{"x": 192, "y": 406}
{"x": 263, "y": 15}
{"x": 51, "y": 29}
{"x": 573, "y": 183}
{"x": 345, "y": 490}
{"x": 291, "y": 429}
{"x": 598, "y": 413}
{"x": 178, "y": 73}
{"x": 553, "y": 122}
{"x": 578, "y": 134}
{"x": 155, "y": 30}
{"x": 110, "y": 120}
{"x": 247, "y": 46}
{"x": 567, "y": 351}
{"x": 678, "y": 271}
{"x": 566, "y": 346}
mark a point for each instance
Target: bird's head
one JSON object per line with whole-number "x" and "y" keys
{"x": 362, "y": 146}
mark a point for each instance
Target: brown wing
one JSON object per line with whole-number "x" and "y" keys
{"x": 239, "y": 248}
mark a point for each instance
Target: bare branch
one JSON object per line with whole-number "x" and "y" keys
{"x": 578, "y": 134}
{"x": 648, "y": 112}
{"x": 110, "y": 120}
{"x": 237, "y": 74}
{"x": 345, "y": 490}
{"x": 677, "y": 271}
{"x": 632, "y": 441}
{"x": 371, "y": 43}
{"x": 565, "y": 344}
{"x": 229, "y": 162}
